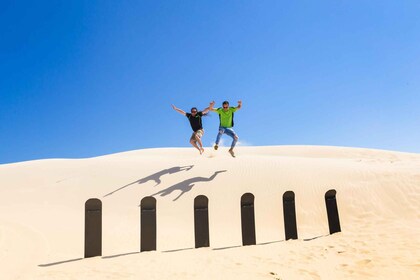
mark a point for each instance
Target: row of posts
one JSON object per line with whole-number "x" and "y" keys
{"x": 93, "y": 221}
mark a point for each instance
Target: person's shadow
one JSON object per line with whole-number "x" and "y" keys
{"x": 186, "y": 185}
{"x": 155, "y": 177}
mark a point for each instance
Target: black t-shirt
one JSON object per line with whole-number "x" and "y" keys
{"x": 195, "y": 121}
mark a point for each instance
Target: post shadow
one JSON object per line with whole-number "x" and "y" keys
{"x": 93, "y": 228}
{"x": 59, "y": 262}
{"x": 201, "y": 221}
{"x": 156, "y": 177}
{"x": 186, "y": 185}
{"x": 332, "y": 211}
{"x": 248, "y": 219}
{"x": 289, "y": 214}
{"x": 148, "y": 224}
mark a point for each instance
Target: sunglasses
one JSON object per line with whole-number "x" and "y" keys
{"x": 194, "y": 111}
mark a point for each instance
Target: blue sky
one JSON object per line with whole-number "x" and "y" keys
{"x": 88, "y": 78}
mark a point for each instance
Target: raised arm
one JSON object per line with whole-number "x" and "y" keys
{"x": 239, "y": 105}
{"x": 178, "y": 110}
{"x": 205, "y": 111}
{"x": 211, "y": 107}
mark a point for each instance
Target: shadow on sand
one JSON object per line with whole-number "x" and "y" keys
{"x": 120, "y": 255}
{"x": 155, "y": 177}
{"x": 186, "y": 185}
{"x": 61, "y": 262}
{"x": 177, "y": 250}
{"x": 316, "y": 237}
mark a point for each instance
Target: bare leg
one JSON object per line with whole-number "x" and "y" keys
{"x": 194, "y": 143}
{"x": 200, "y": 144}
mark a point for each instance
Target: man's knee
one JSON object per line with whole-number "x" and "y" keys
{"x": 193, "y": 141}
{"x": 236, "y": 137}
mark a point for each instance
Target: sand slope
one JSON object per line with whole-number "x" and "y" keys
{"x": 378, "y": 193}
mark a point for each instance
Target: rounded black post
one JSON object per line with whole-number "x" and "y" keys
{"x": 93, "y": 228}
{"x": 332, "y": 211}
{"x": 289, "y": 214}
{"x": 248, "y": 219}
{"x": 148, "y": 224}
{"x": 201, "y": 221}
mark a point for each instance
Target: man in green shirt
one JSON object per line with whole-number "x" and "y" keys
{"x": 226, "y": 114}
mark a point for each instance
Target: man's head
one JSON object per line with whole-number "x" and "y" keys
{"x": 193, "y": 110}
{"x": 225, "y": 105}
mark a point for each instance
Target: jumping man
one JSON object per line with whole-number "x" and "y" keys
{"x": 196, "y": 124}
{"x": 226, "y": 114}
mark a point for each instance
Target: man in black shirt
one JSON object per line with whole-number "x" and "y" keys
{"x": 196, "y": 124}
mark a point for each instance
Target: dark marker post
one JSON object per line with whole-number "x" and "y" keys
{"x": 248, "y": 219}
{"x": 289, "y": 213}
{"x": 201, "y": 221}
{"x": 148, "y": 224}
{"x": 332, "y": 211}
{"x": 93, "y": 228}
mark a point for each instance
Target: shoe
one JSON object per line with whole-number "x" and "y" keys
{"x": 231, "y": 152}
{"x": 216, "y": 147}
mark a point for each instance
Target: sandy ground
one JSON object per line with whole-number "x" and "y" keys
{"x": 378, "y": 194}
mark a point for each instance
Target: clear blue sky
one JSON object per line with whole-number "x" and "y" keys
{"x": 88, "y": 78}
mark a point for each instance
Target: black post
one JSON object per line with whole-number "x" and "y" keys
{"x": 201, "y": 221}
{"x": 248, "y": 219}
{"x": 148, "y": 224}
{"x": 93, "y": 228}
{"x": 332, "y": 211}
{"x": 289, "y": 213}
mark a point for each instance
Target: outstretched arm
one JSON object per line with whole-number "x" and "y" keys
{"x": 239, "y": 105}
{"x": 211, "y": 107}
{"x": 178, "y": 110}
{"x": 205, "y": 111}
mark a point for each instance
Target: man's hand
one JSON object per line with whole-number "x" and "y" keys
{"x": 173, "y": 106}
{"x": 239, "y": 104}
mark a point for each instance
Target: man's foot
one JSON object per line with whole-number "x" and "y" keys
{"x": 231, "y": 152}
{"x": 216, "y": 147}
{"x": 201, "y": 151}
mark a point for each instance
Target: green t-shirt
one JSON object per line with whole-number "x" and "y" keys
{"x": 226, "y": 117}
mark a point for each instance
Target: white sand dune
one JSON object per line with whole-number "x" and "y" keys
{"x": 378, "y": 194}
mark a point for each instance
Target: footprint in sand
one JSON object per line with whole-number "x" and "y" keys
{"x": 314, "y": 275}
{"x": 275, "y": 275}
{"x": 365, "y": 262}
